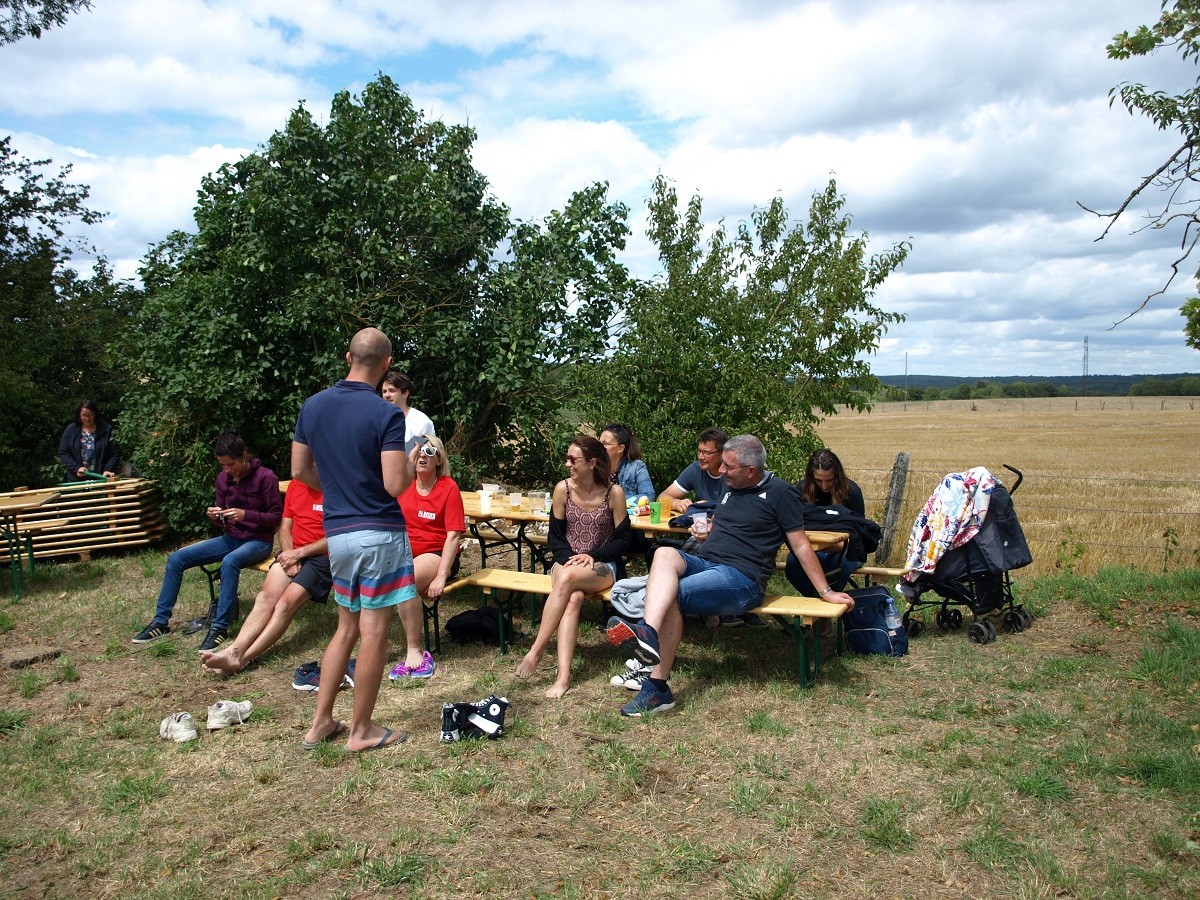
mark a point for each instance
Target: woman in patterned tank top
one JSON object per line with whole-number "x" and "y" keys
{"x": 589, "y": 534}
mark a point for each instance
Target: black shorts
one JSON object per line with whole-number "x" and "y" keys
{"x": 314, "y": 576}
{"x": 454, "y": 566}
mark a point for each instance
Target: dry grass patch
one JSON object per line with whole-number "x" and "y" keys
{"x": 1045, "y": 764}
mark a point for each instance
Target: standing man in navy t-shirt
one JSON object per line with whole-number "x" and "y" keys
{"x": 349, "y": 443}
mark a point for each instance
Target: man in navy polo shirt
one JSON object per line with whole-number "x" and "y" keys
{"x": 349, "y": 443}
{"x": 727, "y": 575}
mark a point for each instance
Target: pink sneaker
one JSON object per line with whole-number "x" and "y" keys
{"x": 425, "y": 669}
{"x": 399, "y": 671}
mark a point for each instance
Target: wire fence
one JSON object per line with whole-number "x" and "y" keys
{"x": 1037, "y": 404}
{"x": 1075, "y": 523}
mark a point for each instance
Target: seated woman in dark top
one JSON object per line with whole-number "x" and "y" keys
{"x": 589, "y": 533}
{"x": 825, "y": 484}
{"x": 86, "y": 445}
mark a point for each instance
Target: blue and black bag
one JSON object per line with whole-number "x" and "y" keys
{"x": 874, "y": 625}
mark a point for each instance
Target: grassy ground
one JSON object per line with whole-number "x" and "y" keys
{"x": 1060, "y": 762}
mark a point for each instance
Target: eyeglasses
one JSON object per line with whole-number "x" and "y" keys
{"x": 574, "y": 459}
{"x": 427, "y": 450}
{"x": 700, "y": 451}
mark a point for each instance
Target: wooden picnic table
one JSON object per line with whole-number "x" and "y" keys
{"x": 19, "y": 544}
{"x": 486, "y": 530}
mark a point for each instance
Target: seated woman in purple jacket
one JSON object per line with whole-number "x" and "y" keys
{"x": 248, "y": 510}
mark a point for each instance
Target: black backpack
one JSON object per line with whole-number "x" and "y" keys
{"x": 476, "y": 625}
{"x": 874, "y": 625}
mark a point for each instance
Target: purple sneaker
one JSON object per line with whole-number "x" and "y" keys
{"x": 425, "y": 669}
{"x": 399, "y": 671}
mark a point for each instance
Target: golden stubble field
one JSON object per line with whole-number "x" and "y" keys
{"x": 1108, "y": 480}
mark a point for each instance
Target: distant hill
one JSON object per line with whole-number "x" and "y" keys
{"x": 1097, "y": 385}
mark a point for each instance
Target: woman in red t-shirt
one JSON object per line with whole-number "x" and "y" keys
{"x": 433, "y": 515}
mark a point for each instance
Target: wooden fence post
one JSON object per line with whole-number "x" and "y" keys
{"x": 891, "y": 510}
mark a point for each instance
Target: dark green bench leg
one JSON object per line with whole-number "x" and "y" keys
{"x": 808, "y": 649}
{"x": 429, "y": 614}
{"x": 505, "y": 607}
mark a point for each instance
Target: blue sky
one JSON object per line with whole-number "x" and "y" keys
{"x": 969, "y": 127}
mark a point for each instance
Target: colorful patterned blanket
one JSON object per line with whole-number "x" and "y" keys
{"x": 951, "y": 517}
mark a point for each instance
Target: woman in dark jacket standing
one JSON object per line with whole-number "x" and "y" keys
{"x": 86, "y": 445}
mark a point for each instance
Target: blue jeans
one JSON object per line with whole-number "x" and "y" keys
{"x": 232, "y": 554}
{"x": 715, "y": 589}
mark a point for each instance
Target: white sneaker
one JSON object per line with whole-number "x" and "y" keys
{"x": 631, "y": 679}
{"x": 178, "y": 727}
{"x": 224, "y": 713}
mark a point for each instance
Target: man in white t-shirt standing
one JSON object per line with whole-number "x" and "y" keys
{"x": 397, "y": 387}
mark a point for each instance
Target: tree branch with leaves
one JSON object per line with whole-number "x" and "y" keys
{"x": 1178, "y": 177}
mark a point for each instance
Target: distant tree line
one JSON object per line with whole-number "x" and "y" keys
{"x": 948, "y": 388}
{"x": 980, "y": 390}
{"x": 1185, "y": 386}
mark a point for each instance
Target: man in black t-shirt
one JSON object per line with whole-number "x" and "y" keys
{"x": 727, "y": 575}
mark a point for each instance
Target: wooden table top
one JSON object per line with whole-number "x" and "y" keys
{"x": 501, "y": 509}
{"x": 11, "y": 504}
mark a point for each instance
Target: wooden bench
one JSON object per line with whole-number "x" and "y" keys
{"x": 496, "y": 582}
{"x": 27, "y": 530}
{"x": 871, "y": 574}
{"x": 796, "y": 615}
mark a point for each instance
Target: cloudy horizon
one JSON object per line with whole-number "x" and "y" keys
{"x": 972, "y": 130}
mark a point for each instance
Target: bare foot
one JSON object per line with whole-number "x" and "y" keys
{"x": 338, "y": 728}
{"x": 529, "y": 665}
{"x": 225, "y": 662}
{"x": 383, "y": 737}
{"x": 557, "y": 689}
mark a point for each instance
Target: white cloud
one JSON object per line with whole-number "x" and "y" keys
{"x": 972, "y": 128}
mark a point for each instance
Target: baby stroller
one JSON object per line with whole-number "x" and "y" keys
{"x": 975, "y": 572}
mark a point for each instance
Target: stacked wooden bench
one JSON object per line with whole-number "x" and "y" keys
{"x": 88, "y": 516}
{"x": 797, "y": 616}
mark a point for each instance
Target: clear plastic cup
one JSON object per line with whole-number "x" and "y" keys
{"x": 485, "y": 502}
{"x": 700, "y": 522}
{"x": 514, "y": 499}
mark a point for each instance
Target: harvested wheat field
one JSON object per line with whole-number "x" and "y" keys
{"x": 1108, "y": 480}
{"x": 1059, "y": 762}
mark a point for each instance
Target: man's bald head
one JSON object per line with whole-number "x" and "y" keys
{"x": 370, "y": 349}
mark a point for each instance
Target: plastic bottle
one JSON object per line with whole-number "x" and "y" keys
{"x": 891, "y": 616}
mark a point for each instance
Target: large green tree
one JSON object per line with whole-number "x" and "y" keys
{"x": 29, "y": 18}
{"x": 1177, "y": 177}
{"x": 760, "y": 332}
{"x": 55, "y": 323}
{"x": 377, "y": 217}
